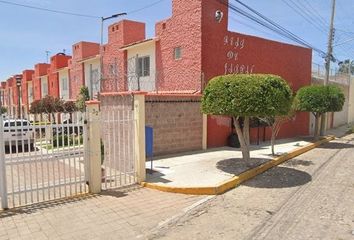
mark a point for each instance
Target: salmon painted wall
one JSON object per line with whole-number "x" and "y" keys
{"x": 182, "y": 30}
{"x": 26, "y": 77}
{"x": 56, "y": 62}
{"x": 81, "y": 51}
{"x": 40, "y": 69}
{"x": 114, "y": 59}
{"x": 225, "y": 52}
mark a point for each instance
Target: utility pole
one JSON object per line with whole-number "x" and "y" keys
{"x": 328, "y": 62}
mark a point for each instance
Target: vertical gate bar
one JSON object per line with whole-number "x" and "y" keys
{"x": 41, "y": 155}
{"x": 52, "y": 155}
{"x": 114, "y": 146}
{"x": 29, "y": 134}
{"x": 18, "y": 168}
{"x": 75, "y": 130}
{"x": 104, "y": 131}
{"x": 111, "y": 158}
{"x": 35, "y": 157}
{"x": 69, "y": 159}
{"x": 64, "y": 160}
{"x": 119, "y": 127}
{"x": 124, "y": 148}
{"x": 85, "y": 161}
{"x": 12, "y": 167}
{"x": 23, "y": 160}
{"x": 58, "y": 165}
{"x": 3, "y": 177}
{"x": 132, "y": 142}
{"x": 80, "y": 143}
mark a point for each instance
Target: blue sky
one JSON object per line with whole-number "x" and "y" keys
{"x": 26, "y": 34}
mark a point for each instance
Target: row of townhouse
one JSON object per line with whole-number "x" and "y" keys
{"x": 188, "y": 49}
{"x": 61, "y": 78}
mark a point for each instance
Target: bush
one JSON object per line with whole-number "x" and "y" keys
{"x": 255, "y": 95}
{"x": 244, "y": 96}
{"x": 319, "y": 99}
{"x": 67, "y": 140}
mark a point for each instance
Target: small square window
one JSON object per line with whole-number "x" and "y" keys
{"x": 178, "y": 53}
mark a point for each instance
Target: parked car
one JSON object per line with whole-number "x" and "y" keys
{"x": 18, "y": 133}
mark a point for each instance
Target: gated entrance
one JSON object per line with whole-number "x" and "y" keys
{"x": 48, "y": 159}
{"x": 118, "y": 131}
{"x": 41, "y": 160}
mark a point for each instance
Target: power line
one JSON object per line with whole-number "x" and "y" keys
{"x": 252, "y": 27}
{"x": 73, "y": 13}
{"x": 268, "y": 23}
{"x": 49, "y": 10}
{"x": 145, "y": 7}
{"x": 314, "y": 11}
{"x": 304, "y": 13}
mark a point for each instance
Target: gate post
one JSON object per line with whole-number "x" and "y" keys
{"x": 3, "y": 183}
{"x": 94, "y": 146}
{"x": 139, "y": 138}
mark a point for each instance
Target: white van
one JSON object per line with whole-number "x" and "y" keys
{"x": 18, "y": 131}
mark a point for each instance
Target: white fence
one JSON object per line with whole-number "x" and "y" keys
{"x": 118, "y": 136}
{"x": 42, "y": 160}
{"x": 54, "y": 157}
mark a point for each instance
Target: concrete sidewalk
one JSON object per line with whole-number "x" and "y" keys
{"x": 214, "y": 166}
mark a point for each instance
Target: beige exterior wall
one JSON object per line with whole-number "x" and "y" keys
{"x": 30, "y": 92}
{"x": 92, "y": 76}
{"x": 44, "y": 86}
{"x": 341, "y": 118}
{"x": 338, "y": 118}
{"x": 351, "y": 101}
{"x": 64, "y": 84}
{"x": 147, "y": 83}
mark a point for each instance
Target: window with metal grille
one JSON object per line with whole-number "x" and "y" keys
{"x": 143, "y": 67}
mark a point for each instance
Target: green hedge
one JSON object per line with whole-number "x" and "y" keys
{"x": 67, "y": 140}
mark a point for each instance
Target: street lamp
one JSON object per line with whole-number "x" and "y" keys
{"x": 18, "y": 84}
{"x": 101, "y": 44}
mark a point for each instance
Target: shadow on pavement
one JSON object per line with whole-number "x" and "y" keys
{"x": 155, "y": 176}
{"x": 30, "y": 209}
{"x": 237, "y": 165}
{"x": 279, "y": 177}
{"x": 336, "y": 145}
{"x": 298, "y": 162}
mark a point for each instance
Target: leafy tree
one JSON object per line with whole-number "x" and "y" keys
{"x": 49, "y": 105}
{"x": 319, "y": 99}
{"x": 245, "y": 96}
{"x": 3, "y": 110}
{"x": 276, "y": 122}
{"x": 345, "y": 65}
{"x": 83, "y": 96}
{"x": 69, "y": 107}
{"x": 36, "y": 107}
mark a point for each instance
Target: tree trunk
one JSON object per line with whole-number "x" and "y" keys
{"x": 318, "y": 118}
{"x": 275, "y": 130}
{"x": 272, "y": 139}
{"x": 246, "y": 130}
{"x": 244, "y": 147}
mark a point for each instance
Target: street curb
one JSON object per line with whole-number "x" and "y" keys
{"x": 237, "y": 180}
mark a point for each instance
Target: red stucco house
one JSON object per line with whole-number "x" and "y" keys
{"x": 192, "y": 47}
